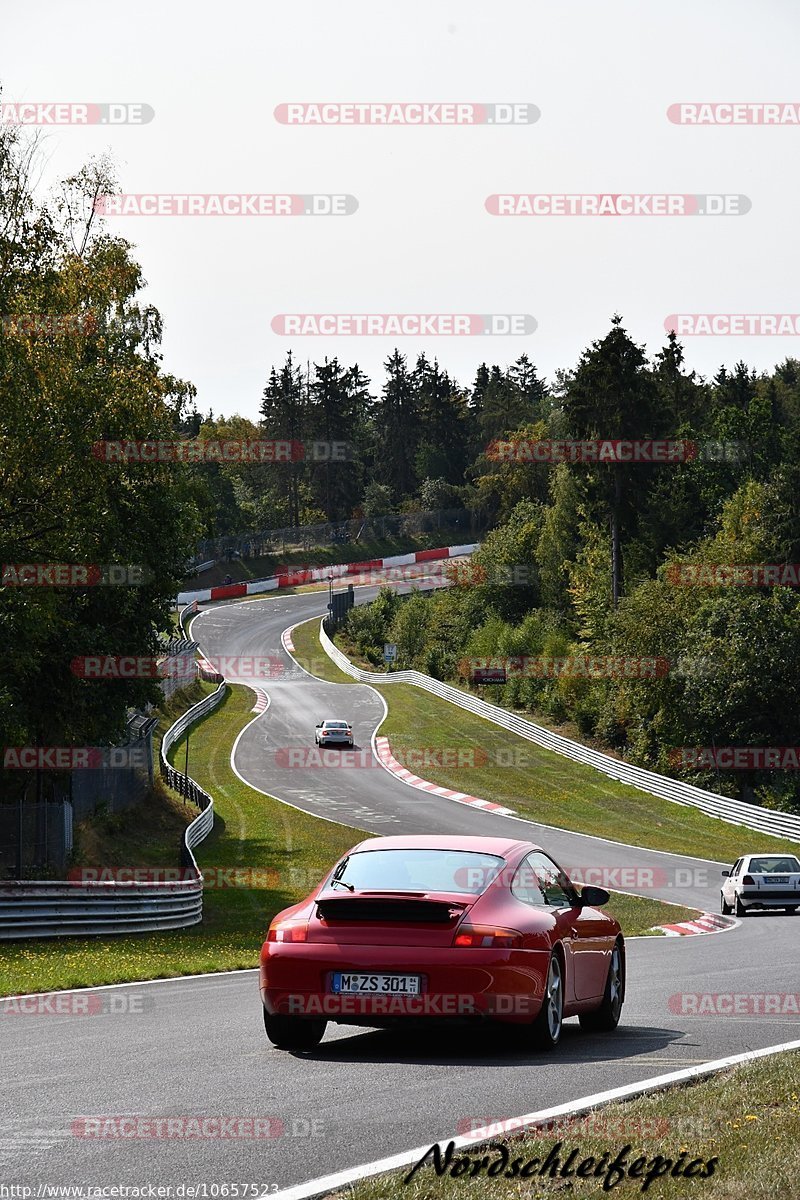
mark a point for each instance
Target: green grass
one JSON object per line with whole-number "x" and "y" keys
{"x": 311, "y": 656}
{"x": 639, "y": 915}
{"x": 289, "y": 851}
{"x": 537, "y": 783}
{"x": 148, "y": 834}
{"x": 552, "y": 789}
{"x": 747, "y": 1118}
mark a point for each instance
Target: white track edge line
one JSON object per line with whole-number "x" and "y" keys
{"x": 339, "y": 1179}
{"x": 556, "y": 828}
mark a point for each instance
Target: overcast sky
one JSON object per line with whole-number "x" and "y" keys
{"x": 602, "y": 75}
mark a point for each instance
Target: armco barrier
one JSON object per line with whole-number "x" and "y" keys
{"x": 52, "y": 908}
{"x": 735, "y": 812}
{"x": 297, "y": 576}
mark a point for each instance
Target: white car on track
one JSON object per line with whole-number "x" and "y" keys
{"x": 761, "y": 881}
{"x": 333, "y": 733}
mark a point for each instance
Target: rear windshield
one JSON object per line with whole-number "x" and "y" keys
{"x": 336, "y": 725}
{"x": 774, "y": 864}
{"x": 467, "y": 871}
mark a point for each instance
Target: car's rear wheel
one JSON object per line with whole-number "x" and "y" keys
{"x": 608, "y": 1014}
{"x": 293, "y": 1033}
{"x": 724, "y": 907}
{"x": 739, "y": 908}
{"x": 545, "y": 1032}
{"x": 791, "y": 909}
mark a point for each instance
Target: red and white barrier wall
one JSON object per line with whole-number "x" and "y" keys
{"x": 294, "y": 577}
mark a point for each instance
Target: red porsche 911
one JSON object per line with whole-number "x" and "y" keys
{"x": 443, "y": 929}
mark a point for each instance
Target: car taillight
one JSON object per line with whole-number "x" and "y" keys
{"x": 486, "y": 935}
{"x": 288, "y": 933}
{"x": 748, "y": 879}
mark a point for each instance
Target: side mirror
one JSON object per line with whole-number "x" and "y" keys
{"x": 724, "y": 874}
{"x": 593, "y": 897}
{"x": 318, "y": 725}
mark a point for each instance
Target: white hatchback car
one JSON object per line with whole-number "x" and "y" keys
{"x": 761, "y": 881}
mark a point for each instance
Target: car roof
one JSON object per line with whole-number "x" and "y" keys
{"x": 484, "y": 845}
{"x": 773, "y": 854}
{"x": 335, "y": 721}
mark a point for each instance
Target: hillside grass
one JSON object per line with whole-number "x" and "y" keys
{"x": 280, "y": 854}
{"x": 261, "y": 857}
{"x": 539, "y": 784}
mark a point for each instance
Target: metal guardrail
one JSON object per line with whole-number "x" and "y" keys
{"x": 734, "y": 812}
{"x": 182, "y": 783}
{"x": 53, "y": 908}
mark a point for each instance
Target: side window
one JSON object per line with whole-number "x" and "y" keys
{"x": 525, "y": 884}
{"x": 736, "y": 867}
{"x": 538, "y": 873}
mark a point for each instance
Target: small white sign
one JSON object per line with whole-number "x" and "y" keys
{"x": 389, "y": 652}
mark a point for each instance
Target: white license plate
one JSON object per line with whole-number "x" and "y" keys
{"x": 376, "y": 985}
{"x": 777, "y": 879}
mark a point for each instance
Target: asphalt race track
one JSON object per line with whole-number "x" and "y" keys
{"x": 199, "y": 1046}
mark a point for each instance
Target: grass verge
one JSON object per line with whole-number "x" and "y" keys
{"x": 552, "y": 789}
{"x": 280, "y": 854}
{"x": 537, "y": 783}
{"x": 745, "y": 1119}
{"x": 639, "y": 916}
{"x": 261, "y": 857}
{"x": 309, "y": 653}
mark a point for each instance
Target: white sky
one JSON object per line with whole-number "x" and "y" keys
{"x": 602, "y": 74}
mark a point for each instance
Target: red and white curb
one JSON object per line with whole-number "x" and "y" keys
{"x": 705, "y": 923}
{"x": 286, "y": 639}
{"x": 390, "y": 762}
{"x": 207, "y": 671}
{"x": 295, "y": 577}
{"x": 262, "y": 701}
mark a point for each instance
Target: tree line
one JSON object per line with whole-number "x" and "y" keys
{"x": 594, "y": 567}
{"x": 411, "y": 443}
{"x": 578, "y": 558}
